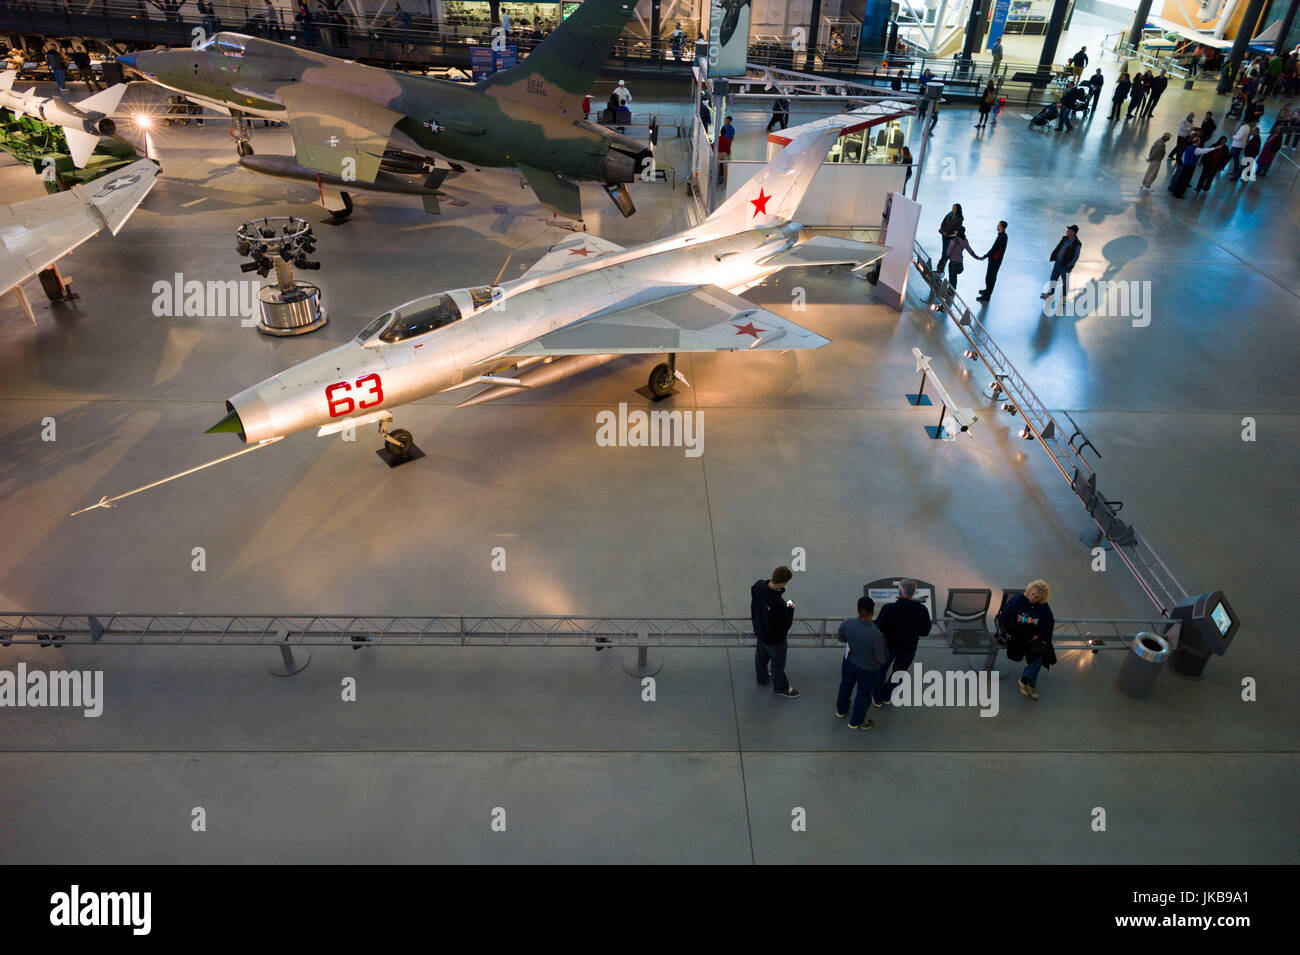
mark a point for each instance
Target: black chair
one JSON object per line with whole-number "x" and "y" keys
{"x": 1000, "y": 634}
{"x": 965, "y": 620}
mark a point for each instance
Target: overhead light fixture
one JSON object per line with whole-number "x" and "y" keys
{"x": 143, "y": 121}
{"x": 1026, "y": 433}
{"x": 972, "y": 354}
{"x": 1008, "y": 407}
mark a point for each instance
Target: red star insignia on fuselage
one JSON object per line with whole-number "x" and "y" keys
{"x": 760, "y": 204}
{"x": 584, "y": 251}
{"x": 747, "y": 329}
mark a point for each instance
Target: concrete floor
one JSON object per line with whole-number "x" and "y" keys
{"x": 816, "y": 450}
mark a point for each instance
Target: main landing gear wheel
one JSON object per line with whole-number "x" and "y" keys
{"x": 662, "y": 380}
{"x": 342, "y": 214}
{"x": 244, "y": 148}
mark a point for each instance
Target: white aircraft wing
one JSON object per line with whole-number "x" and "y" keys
{"x": 1190, "y": 33}
{"x": 702, "y": 320}
{"x": 582, "y": 247}
{"x": 36, "y": 233}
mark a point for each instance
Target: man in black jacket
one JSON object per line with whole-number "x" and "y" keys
{"x": 904, "y": 623}
{"x": 1096, "y": 82}
{"x": 994, "y": 257}
{"x": 1064, "y": 258}
{"x": 771, "y": 615}
{"x": 1158, "y": 86}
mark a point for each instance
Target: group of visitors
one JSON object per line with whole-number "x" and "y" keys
{"x": 952, "y": 232}
{"x": 881, "y": 644}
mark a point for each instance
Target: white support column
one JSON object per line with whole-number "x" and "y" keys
{"x": 938, "y": 25}
{"x": 1221, "y": 27}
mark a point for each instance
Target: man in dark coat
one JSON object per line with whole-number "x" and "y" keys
{"x": 780, "y": 113}
{"x": 1095, "y": 83}
{"x": 1064, "y": 258}
{"x": 1158, "y": 86}
{"x": 903, "y": 622}
{"x": 771, "y": 614}
{"x": 994, "y": 257}
{"x": 1137, "y": 93}
{"x": 1122, "y": 86}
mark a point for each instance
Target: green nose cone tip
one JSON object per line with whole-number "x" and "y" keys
{"x": 230, "y": 424}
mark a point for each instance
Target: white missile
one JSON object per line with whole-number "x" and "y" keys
{"x": 959, "y": 419}
{"x": 83, "y": 123}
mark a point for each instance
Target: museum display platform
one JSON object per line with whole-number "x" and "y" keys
{"x": 817, "y": 450}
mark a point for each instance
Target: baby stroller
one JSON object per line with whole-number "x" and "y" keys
{"x": 1044, "y": 116}
{"x": 1238, "y": 106}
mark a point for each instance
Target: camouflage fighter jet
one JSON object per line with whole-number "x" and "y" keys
{"x": 342, "y": 114}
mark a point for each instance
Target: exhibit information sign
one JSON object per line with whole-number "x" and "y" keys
{"x": 728, "y": 37}
{"x": 484, "y": 61}
{"x": 999, "y": 22}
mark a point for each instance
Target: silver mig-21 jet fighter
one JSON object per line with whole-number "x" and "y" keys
{"x": 584, "y": 302}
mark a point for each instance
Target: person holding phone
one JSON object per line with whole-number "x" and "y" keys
{"x": 772, "y": 614}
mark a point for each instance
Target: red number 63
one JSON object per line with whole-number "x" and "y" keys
{"x": 344, "y": 404}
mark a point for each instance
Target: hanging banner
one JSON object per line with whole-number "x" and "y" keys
{"x": 999, "y": 22}
{"x": 728, "y": 37}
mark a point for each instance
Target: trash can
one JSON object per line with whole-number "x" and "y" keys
{"x": 113, "y": 73}
{"x": 1137, "y": 677}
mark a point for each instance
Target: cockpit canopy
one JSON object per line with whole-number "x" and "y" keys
{"x": 228, "y": 44}
{"x": 425, "y": 315}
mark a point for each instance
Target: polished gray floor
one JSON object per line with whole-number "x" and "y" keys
{"x": 814, "y": 450}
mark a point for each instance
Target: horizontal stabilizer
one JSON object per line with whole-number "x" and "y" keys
{"x": 828, "y": 250}
{"x": 117, "y": 194}
{"x": 561, "y": 196}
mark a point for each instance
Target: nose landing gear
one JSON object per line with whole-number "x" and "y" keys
{"x": 399, "y": 445}
{"x": 241, "y": 131}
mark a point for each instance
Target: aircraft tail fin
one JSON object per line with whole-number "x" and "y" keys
{"x": 773, "y": 194}
{"x": 559, "y": 73}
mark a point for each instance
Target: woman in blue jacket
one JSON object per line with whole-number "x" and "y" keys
{"x": 1028, "y": 623}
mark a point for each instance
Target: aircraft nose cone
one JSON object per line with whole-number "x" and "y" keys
{"x": 230, "y": 424}
{"x": 127, "y": 60}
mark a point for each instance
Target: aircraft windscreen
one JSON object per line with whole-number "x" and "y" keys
{"x": 371, "y": 330}
{"x": 231, "y": 44}
{"x": 424, "y": 316}
{"x": 479, "y": 297}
